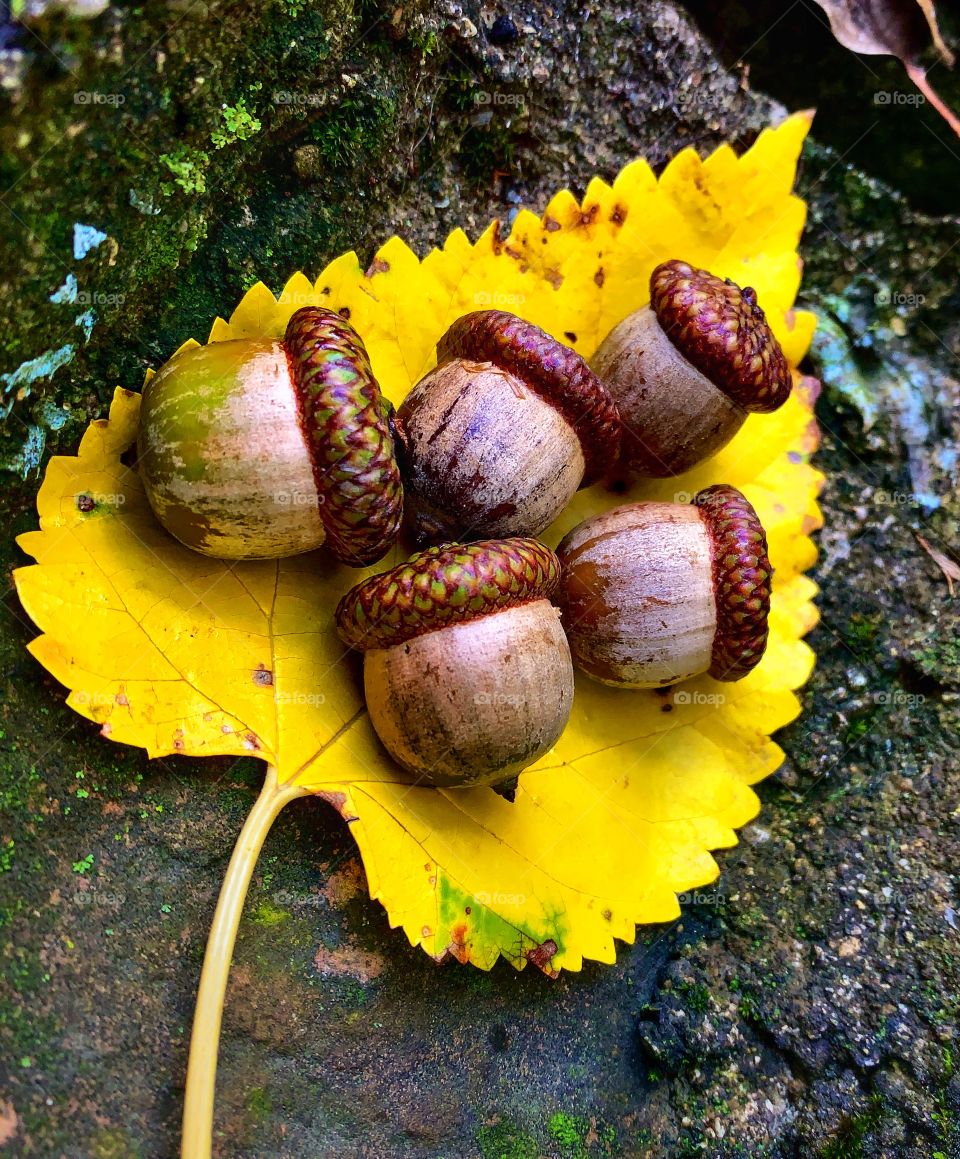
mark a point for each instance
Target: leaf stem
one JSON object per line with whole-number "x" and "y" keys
{"x": 205, "y": 1040}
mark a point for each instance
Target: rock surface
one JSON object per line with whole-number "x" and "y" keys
{"x": 158, "y": 162}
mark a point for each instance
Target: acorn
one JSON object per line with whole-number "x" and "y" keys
{"x": 497, "y": 439}
{"x": 653, "y": 593}
{"x": 466, "y": 668}
{"x": 255, "y": 448}
{"x": 686, "y": 370}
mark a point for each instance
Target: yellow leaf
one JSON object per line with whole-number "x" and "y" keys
{"x": 180, "y": 653}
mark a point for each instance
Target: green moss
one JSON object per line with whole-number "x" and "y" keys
{"x": 267, "y": 914}
{"x": 569, "y": 1131}
{"x": 259, "y": 1104}
{"x": 505, "y": 1140}
{"x": 860, "y": 726}
{"x": 239, "y": 124}
{"x": 944, "y": 1117}
{"x": 188, "y": 167}
{"x": 862, "y": 631}
{"x": 848, "y": 1142}
{"x": 357, "y": 130}
{"x": 113, "y": 1143}
{"x": 696, "y": 997}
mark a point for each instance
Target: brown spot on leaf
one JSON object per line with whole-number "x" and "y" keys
{"x": 551, "y": 224}
{"x": 541, "y": 955}
{"x": 337, "y": 800}
{"x": 344, "y": 312}
{"x": 619, "y": 215}
{"x": 589, "y": 216}
{"x": 599, "y": 277}
{"x": 608, "y": 915}
{"x": 263, "y": 676}
{"x": 570, "y": 336}
{"x": 121, "y": 699}
{"x": 554, "y": 277}
{"x": 377, "y": 266}
{"x": 496, "y": 237}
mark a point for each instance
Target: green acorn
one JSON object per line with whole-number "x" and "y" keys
{"x": 256, "y": 448}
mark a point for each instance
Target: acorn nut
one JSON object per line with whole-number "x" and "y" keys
{"x": 466, "y": 669}
{"x": 255, "y": 448}
{"x": 686, "y": 370}
{"x": 653, "y": 593}
{"x": 496, "y": 440}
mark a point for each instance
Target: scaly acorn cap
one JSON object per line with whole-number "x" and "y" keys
{"x": 448, "y": 584}
{"x": 554, "y": 371}
{"x": 346, "y": 423}
{"x": 741, "y": 578}
{"x": 723, "y": 332}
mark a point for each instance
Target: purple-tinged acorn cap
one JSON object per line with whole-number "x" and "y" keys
{"x": 445, "y": 585}
{"x": 741, "y": 577}
{"x": 346, "y": 424}
{"x": 557, "y": 373}
{"x": 722, "y": 331}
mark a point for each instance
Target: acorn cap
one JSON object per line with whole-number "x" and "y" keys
{"x": 445, "y": 585}
{"x": 723, "y": 332}
{"x": 345, "y": 421}
{"x": 557, "y": 373}
{"x": 741, "y": 578}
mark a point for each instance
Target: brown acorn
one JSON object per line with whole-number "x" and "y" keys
{"x": 255, "y": 448}
{"x": 466, "y": 669}
{"x": 686, "y": 370}
{"x": 496, "y": 440}
{"x": 653, "y": 593}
